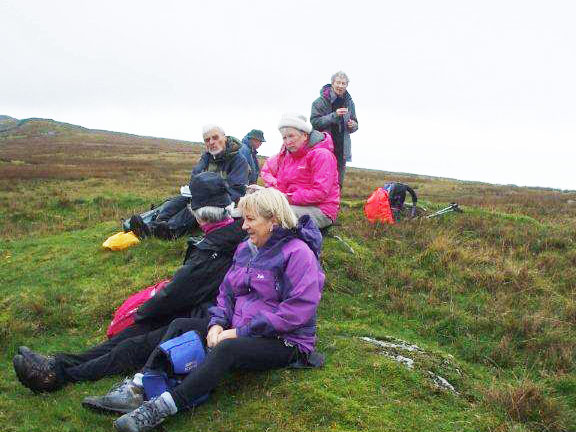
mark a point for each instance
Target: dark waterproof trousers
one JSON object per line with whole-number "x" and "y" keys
{"x": 124, "y": 353}
{"x": 174, "y": 220}
{"x": 338, "y": 139}
{"x": 247, "y": 353}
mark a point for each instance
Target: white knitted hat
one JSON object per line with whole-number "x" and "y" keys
{"x": 296, "y": 121}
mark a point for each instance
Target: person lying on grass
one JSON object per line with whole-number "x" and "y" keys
{"x": 305, "y": 170}
{"x": 192, "y": 290}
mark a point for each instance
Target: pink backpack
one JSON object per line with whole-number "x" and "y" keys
{"x": 124, "y": 315}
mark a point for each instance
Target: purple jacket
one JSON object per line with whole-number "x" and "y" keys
{"x": 274, "y": 291}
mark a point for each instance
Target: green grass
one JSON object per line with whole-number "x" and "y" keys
{"x": 489, "y": 294}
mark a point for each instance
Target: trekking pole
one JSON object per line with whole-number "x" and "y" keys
{"x": 453, "y": 207}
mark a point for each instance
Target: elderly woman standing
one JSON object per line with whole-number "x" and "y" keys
{"x": 305, "y": 170}
{"x": 265, "y": 316}
{"x": 334, "y": 112}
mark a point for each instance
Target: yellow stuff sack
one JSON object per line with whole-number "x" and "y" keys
{"x": 120, "y": 241}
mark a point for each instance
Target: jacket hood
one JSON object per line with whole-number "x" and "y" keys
{"x": 327, "y": 93}
{"x": 306, "y": 230}
{"x": 320, "y": 140}
{"x": 316, "y": 140}
{"x": 232, "y": 145}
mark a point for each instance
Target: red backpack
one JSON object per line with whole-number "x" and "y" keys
{"x": 124, "y": 315}
{"x": 377, "y": 208}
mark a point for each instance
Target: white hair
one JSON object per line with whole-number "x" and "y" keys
{"x": 210, "y": 127}
{"x": 211, "y": 214}
{"x": 340, "y": 74}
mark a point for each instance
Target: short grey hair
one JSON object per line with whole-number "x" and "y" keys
{"x": 209, "y": 127}
{"x": 300, "y": 132}
{"x": 340, "y": 74}
{"x": 211, "y": 214}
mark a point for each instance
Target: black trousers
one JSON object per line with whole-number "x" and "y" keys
{"x": 174, "y": 220}
{"x": 256, "y": 354}
{"x": 124, "y": 353}
{"x": 339, "y": 154}
{"x": 135, "y": 348}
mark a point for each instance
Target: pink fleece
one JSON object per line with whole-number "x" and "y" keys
{"x": 209, "y": 227}
{"x": 309, "y": 177}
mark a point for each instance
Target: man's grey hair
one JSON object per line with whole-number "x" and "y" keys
{"x": 211, "y": 214}
{"x": 209, "y": 127}
{"x": 340, "y": 74}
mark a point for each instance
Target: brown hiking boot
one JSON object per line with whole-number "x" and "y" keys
{"x": 36, "y": 372}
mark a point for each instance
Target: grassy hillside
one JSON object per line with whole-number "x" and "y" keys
{"x": 488, "y": 295}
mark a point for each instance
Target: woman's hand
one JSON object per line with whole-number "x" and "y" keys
{"x": 341, "y": 111}
{"x": 213, "y": 333}
{"x": 351, "y": 124}
{"x": 227, "y": 334}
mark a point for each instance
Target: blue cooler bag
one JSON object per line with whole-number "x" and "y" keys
{"x": 184, "y": 353}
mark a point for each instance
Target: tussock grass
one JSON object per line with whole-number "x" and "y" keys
{"x": 492, "y": 287}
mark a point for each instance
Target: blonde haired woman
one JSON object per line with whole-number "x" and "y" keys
{"x": 265, "y": 316}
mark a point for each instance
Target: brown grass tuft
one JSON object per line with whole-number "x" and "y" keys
{"x": 527, "y": 403}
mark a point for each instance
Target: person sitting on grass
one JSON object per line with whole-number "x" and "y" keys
{"x": 265, "y": 317}
{"x": 250, "y": 145}
{"x": 305, "y": 170}
{"x": 223, "y": 157}
{"x": 191, "y": 291}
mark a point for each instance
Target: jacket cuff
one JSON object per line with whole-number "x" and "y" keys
{"x": 243, "y": 331}
{"x": 216, "y": 321}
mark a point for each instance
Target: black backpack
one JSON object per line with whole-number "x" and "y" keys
{"x": 397, "y": 197}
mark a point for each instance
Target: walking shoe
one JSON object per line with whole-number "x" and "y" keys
{"x": 122, "y": 398}
{"x": 34, "y": 356}
{"x": 139, "y": 227}
{"x": 38, "y": 373}
{"x": 146, "y": 417}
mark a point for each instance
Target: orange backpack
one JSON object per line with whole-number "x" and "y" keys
{"x": 377, "y": 207}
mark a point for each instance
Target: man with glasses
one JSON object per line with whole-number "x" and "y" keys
{"x": 223, "y": 157}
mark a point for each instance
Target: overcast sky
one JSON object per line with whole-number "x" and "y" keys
{"x": 482, "y": 90}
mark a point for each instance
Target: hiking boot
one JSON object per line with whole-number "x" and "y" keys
{"x": 34, "y": 356}
{"x": 139, "y": 227}
{"x": 122, "y": 398}
{"x": 146, "y": 417}
{"x": 37, "y": 372}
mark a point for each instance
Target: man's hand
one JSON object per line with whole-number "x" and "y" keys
{"x": 213, "y": 333}
{"x": 342, "y": 111}
{"x": 351, "y": 124}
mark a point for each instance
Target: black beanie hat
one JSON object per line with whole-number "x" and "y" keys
{"x": 208, "y": 189}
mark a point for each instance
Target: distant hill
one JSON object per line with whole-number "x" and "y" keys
{"x": 33, "y": 127}
{"x": 483, "y": 299}
{"x": 7, "y": 122}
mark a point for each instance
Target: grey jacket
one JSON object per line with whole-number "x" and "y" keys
{"x": 323, "y": 117}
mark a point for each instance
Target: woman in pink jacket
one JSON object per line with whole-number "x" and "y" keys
{"x": 305, "y": 170}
